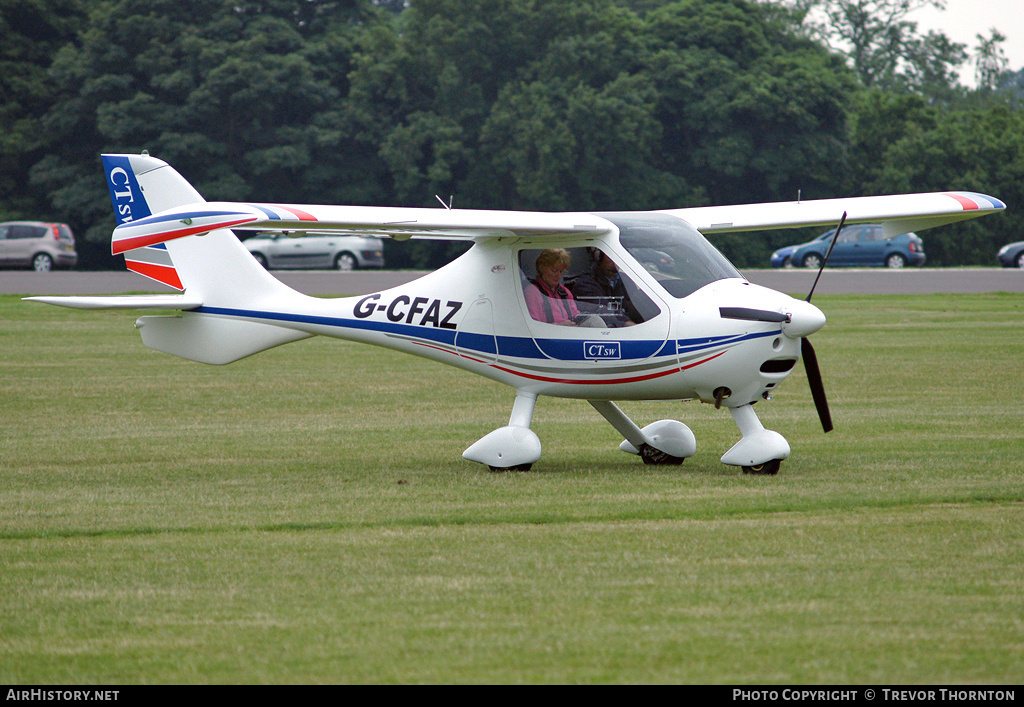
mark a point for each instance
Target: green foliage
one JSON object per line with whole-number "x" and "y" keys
{"x": 240, "y": 97}
{"x": 31, "y": 33}
{"x": 885, "y": 48}
{"x": 978, "y": 148}
{"x": 751, "y": 112}
{"x": 506, "y": 104}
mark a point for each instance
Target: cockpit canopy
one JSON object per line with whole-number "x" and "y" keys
{"x": 674, "y": 252}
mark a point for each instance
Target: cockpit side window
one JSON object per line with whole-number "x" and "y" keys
{"x": 581, "y": 287}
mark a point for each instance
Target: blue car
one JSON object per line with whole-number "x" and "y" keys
{"x": 860, "y": 245}
{"x": 783, "y": 257}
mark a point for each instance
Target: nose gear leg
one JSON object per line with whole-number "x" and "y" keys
{"x": 514, "y": 447}
{"x": 760, "y": 451}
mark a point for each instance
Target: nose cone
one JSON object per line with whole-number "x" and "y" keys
{"x": 805, "y": 319}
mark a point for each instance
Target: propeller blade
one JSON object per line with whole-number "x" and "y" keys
{"x": 817, "y": 388}
{"x": 752, "y": 315}
{"x": 831, "y": 245}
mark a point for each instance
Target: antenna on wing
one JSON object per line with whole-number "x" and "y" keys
{"x": 448, "y": 205}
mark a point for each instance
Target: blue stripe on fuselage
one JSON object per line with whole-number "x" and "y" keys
{"x": 512, "y": 346}
{"x": 692, "y": 345}
{"x": 444, "y": 336}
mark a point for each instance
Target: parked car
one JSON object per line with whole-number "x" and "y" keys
{"x": 1011, "y": 255}
{"x": 37, "y": 245}
{"x": 862, "y": 244}
{"x": 280, "y": 252}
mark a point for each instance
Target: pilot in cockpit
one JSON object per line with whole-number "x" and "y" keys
{"x": 602, "y": 289}
{"x": 551, "y": 301}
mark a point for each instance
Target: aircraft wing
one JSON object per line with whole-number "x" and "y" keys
{"x": 897, "y": 214}
{"x": 397, "y": 223}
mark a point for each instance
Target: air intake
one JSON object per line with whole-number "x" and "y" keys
{"x": 778, "y": 365}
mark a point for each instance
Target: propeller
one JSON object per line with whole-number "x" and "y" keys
{"x": 808, "y": 321}
{"x": 807, "y": 351}
{"x": 814, "y": 380}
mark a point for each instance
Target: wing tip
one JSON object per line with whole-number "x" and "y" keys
{"x": 973, "y": 201}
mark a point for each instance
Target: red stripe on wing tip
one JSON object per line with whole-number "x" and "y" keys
{"x": 302, "y": 215}
{"x": 967, "y": 203}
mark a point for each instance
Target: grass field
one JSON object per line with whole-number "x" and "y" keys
{"x": 305, "y": 516}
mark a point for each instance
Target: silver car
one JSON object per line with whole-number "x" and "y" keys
{"x": 280, "y": 252}
{"x": 38, "y": 245}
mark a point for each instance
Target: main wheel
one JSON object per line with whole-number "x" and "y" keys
{"x": 517, "y": 467}
{"x": 653, "y": 456}
{"x": 1020, "y": 260}
{"x": 770, "y": 468}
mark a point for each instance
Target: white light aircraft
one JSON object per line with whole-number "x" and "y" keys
{"x": 675, "y": 321}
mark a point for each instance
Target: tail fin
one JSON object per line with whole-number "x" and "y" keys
{"x": 132, "y": 203}
{"x": 214, "y": 267}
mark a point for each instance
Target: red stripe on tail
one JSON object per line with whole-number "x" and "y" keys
{"x": 160, "y": 273}
{"x": 126, "y": 244}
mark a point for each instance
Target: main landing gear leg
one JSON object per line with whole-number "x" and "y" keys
{"x": 514, "y": 447}
{"x": 760, "y": 451}
{"x": 661, "y": 442}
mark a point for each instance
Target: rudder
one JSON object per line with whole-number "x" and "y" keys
{"x": 132, "y": 202}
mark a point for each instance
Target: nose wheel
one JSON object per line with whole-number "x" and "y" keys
{"x": 769, "y": 468}
{"x": 760, "y": 451}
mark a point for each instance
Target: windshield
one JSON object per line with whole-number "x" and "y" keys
{"x": 679, "y": 258}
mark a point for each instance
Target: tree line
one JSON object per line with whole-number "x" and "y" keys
{"x": 506, "y": 104}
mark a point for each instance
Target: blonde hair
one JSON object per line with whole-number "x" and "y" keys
{"x": 554, "y": 256}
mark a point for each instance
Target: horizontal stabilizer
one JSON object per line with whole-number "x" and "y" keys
{"x": 123, "y": 302}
